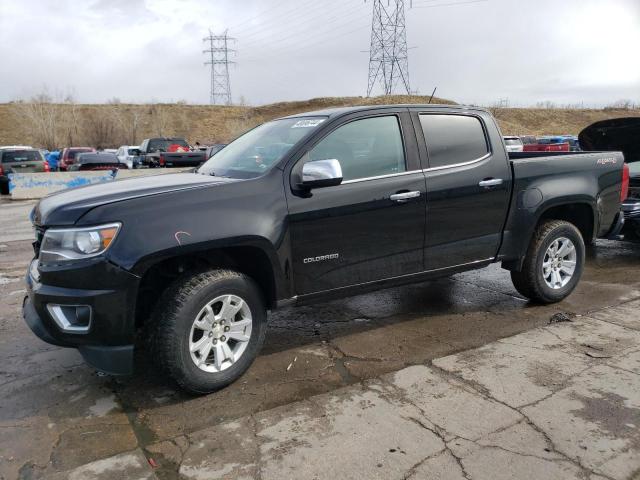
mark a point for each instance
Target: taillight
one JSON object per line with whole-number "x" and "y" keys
{"x": 1, "y": 170}
{"x": 162, "y": 161}
{"x": 46, "y": 167}
{"x": 624, "y": 191}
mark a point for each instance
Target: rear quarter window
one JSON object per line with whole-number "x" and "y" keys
{"x": 453, "y": 139}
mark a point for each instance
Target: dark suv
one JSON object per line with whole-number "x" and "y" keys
{"x": 19, "y": 161}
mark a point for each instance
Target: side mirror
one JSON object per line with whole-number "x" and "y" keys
{"x": 321, "y": 173}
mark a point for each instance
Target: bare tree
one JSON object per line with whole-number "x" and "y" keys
{"x": 39, "y": 115}
{"x": 100, "y": 128}
{"x": 160, "y": 118}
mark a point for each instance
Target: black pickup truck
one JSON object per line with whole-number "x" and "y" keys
{"x": 169, "y": 152}
{"x": 303, "y": 209}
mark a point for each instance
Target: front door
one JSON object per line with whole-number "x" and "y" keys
{"x": 371, "y": 227}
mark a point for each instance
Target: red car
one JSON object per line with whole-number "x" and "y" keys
{"x": 69, "y": 156}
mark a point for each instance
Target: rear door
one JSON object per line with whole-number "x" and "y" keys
{"x": 468, "y": 185}
{"x": 371, "y": 227}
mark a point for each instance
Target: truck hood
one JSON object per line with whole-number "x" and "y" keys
{"x": 617, "y": 134}
{"x": 66, "y": 207}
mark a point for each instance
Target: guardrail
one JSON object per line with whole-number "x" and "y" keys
{"x": 28, "y": 186}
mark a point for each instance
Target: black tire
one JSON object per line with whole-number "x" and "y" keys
{"x": 530, "y": 281}
{"x": 4, "y": 187}
{"x": 174, "y": 316}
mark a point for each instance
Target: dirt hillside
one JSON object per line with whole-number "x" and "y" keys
{"x": 111, "y": 125}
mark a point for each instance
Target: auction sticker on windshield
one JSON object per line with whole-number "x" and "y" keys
{"x": 313, "y": 122}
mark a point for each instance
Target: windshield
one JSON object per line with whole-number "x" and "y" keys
{"x": 255, "y": 152}
{"x": 163, "y": 144}
{"x": 21, "y": 156}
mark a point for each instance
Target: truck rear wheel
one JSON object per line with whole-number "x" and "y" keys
{"x": 554, "y": 263}
{"x": 210, "y": 328}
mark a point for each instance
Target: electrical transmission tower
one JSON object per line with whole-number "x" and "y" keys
{"x": 388, "y": 61}
{"x": 219, "y": 60}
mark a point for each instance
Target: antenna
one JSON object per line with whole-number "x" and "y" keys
{"x": 219, "y": 60}
{"x": 388, "y": 59}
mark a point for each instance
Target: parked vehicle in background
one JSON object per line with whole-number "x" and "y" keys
{"x": 169, "y": 152}
{"x": 547, "y": 144}
{"x": 211, "y": 150}
{"x": 304, "y": 209}
{"x": 69, "y": 156}
{"x": 528, "y": 139}
{"x": 19, "y": 161}
{"x": 513, "y": 144}
{"x": 96, "y": 161}
{"x": 572, "y": 140}
{"x": 129, "y": 154}
{"x": 622, "y": 134}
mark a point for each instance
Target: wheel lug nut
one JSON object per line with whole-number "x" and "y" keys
{"x": 215, "y": 324}
{"x": 215, "y": 340}
{"x": 223, "y": 338}
{"x": 226, "y": 329}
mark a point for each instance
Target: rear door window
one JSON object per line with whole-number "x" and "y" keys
{"x": 453, "y": 139}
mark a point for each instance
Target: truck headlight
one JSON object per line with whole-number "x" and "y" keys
{"x": 68, "y": 244}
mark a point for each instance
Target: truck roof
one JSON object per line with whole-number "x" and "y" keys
{"x": 339, "y": 111}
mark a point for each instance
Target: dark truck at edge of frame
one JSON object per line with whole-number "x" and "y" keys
{"x": 154, "y": 152}
{"x": 299, "y": 210}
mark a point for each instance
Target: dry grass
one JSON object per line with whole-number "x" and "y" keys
{"x": 213, "y": 124}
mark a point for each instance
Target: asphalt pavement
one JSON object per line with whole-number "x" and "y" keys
{"x": 449, "y": 379}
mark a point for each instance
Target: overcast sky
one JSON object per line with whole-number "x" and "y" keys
{"x": 565, "y": 51}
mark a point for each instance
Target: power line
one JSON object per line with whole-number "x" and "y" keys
{"x": 305, "y": 24}
{"x": 388, "y": 59}
{"x": 220, "y": 93}
{"x": 467, "y": 2}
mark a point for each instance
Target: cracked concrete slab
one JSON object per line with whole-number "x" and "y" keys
{"x": 129, "y": 465}
{"x": 528, "y": 367}
{"x": 450, "y": 405}
{"x": 339, "y": 436}
{"x": 595, "y": 420}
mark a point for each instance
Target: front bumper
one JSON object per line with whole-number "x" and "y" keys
{"x": 108, "y": 343}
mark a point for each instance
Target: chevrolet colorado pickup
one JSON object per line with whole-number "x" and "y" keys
{"x": 303, "y": 209}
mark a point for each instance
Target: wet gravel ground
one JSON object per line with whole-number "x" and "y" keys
{"x": 57, "y": 413}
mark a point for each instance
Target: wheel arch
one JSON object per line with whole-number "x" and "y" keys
{"x": 158, "y": 273}
{"x": 580, "y": 213}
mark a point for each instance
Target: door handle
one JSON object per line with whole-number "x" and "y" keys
{"x": 490, "y": 182}
{"x": 404, "y": 196}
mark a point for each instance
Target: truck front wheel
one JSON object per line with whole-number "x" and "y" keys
{"x": 209, "y": 329}
{"x": 554, "y": 263}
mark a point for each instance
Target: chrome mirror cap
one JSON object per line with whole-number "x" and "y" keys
{"x": 321, "y": 173}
